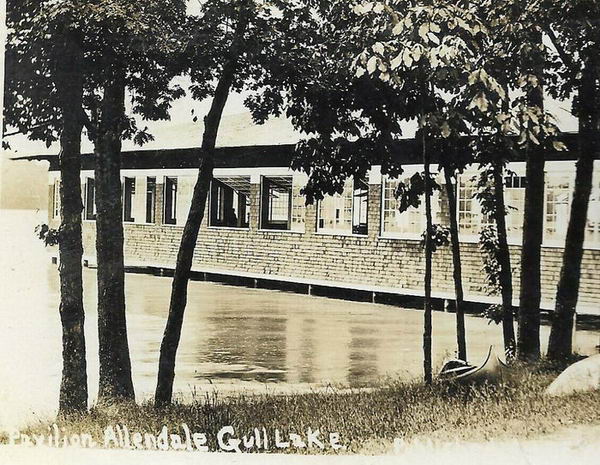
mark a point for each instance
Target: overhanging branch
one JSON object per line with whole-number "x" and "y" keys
{"x": 31, "y": 128}
{"x": 559, "y": 48}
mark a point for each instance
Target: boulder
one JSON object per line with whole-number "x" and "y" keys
{"x": 579, "y": 377}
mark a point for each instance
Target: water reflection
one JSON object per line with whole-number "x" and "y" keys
{"x": 364, "y": 345}
{"x": 250, "y": 348}
{"x": 241, "y": 338}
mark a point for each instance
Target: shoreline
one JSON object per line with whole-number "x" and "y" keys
{"x": 374, "y": 419}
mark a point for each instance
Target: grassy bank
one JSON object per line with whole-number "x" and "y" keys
{"x": 365, "y": 420}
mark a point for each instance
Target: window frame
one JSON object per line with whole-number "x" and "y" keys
{"x": 56, "y": 199}
{"x": 354, "y": 228}
{"x": 568, "y": 177}
{"x": 514, "y": 239}
{"x": 90, "y": 181}
{"x": 129, "y": 192}
{"x": 217, "y": 206}
{"x": 594, "y": 241}
{"x": 170, "y": 181}
{"x": 476, "y": 213}
{"x": 265, "y": 223}
{"x": 150, "y": 213}
{"x": 435, "y": 203}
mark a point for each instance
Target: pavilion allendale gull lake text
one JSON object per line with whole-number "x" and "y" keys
{"x": 227, "y": 439}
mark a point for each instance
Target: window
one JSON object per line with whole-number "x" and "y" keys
{"x": 558, "y": 193}
{"x": 471, "y": 219}
{"x": 56, "y": 199}
{"x": 335, "y": 212}
{"x": 514, "y": 200}
{"x": 150, "y": 199}
{"x": 468, "y": 209}
{"x": 230, "y": 202}
{"x": 170, "y": 200}
{"x": 394, "y": 222}
{"x": 360, "y": 206}
{"x": 90, "y": 200}
{"x": 592, "y": 230}
{"x": 412, "y": 222}
{"x": 276, "y": 202}
{"x": 128, "y": 199}
{"x": 298, "y": 204}
{"x": 345, "y": 212}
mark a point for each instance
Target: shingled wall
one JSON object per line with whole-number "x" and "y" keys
{"x": 368, "y": 263}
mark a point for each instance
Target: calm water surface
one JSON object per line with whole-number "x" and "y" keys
{"x": 234, "y": 338}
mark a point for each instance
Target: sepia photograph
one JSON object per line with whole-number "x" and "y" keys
{"x": 299, "y": 231}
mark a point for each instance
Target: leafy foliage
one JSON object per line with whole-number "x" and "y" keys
{"x": 409, "y": 192}
{"x": 488, "y": 244}
{"x": 494, "y": 313}
{"x": 148, "y": 37}
{"x": 439, "y": 237}
{"x": 48, "y": 235}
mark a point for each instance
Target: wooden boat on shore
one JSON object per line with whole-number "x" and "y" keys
{"x": 459, "y": 370}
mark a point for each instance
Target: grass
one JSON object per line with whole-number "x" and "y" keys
{"x": 514, "y": 408}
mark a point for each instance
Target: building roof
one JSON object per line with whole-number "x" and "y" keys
{"x": 256, "y": 156}
{"x": 225, "y": 157}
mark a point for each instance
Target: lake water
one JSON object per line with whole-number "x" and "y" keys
{"x": 234, "y": 338}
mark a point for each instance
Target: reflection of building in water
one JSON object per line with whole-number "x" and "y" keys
{"x": 364, "y": 345}
{"x": 252, "y": 347}
{"x": 300, "y": 348}
{"x": 257, "y": 225}
{"x": 331, "y": 341}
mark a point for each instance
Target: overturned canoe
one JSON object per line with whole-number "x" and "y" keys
{"x": 459, "y": 370}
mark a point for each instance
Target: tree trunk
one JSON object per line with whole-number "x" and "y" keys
{"x": 503, "y": 256}
{"x": 172, "y": 333}
{"x": 69, "y": 84}
{"x": 461, "y": 337}
{"x": 560, "y": 345}
{"x": 115, "y": 364}
{"x": 528, "y": 344}
{"x": 427, "y": 365}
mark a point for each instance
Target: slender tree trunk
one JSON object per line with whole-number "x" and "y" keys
{"x": 69, "y": 84}
{"x": 461, "y": 337}
{"x": 503, "y": 256}
{"x": 560, "y": 345}
{"x": 115, "y": 363}
{"x": 172, "y": 333}
{"x": 528, "y": 344}
{"x": 427, "y": 327}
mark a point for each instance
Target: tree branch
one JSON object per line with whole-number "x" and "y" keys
{"x": 559, "y": 48}
{"x": 89, "y": 126}
{"x": 31, "y": 128}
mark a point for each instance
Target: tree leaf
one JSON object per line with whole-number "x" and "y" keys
{"x": 446, "y": 129}
{"x": 416, "y": 54}
{"x": 378, "y": 48}
{"x": 423, "y": 31}
{"x": 372, "y": 65}
{"x": 559, "y": 146}
{"x": 433, "y": 38}
{"x": 396, "y": 61}
{"x": 407, "y": 58}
